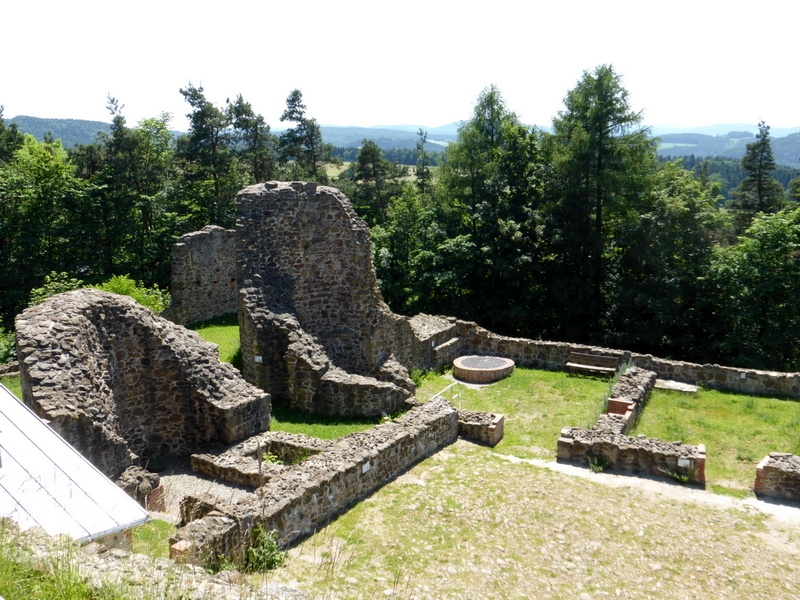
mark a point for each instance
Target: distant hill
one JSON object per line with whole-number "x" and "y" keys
{"x": 732, "y": 145}
{"x": 697, "y": 141}
{"x": 353, "y": 137}
{"x": 69, "y": 131}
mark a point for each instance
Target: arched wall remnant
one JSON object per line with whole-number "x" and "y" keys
{"x": 121, "y": 384}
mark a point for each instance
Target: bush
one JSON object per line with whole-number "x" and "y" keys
{"x": 153, "y": 298}
{"x": 54, "y": 283}
{"x": 8, "y": 345}
{"x": 263, "y": 554}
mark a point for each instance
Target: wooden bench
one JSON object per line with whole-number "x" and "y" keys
{"x": 593, "y": 364}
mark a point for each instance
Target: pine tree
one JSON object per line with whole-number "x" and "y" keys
{"x": 760, "y": 191}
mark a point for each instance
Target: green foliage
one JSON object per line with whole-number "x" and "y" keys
{"x": 10, "y": 139}
{"x": 655, "y": 297}
{"x": 8, "y": 345}
{"x": 152, "y": 538}
{"x": 537, "y": 405}
{"x": 263, "y": 553}
{"x": 301, "y": 146}
{"x": 54, "y": 283}
{"x": 604, "y": 162}
{"x": 271, "y": 459}
{"x": 153, "y": 298}
{"x": 597, "y": 464}
{"x": 290, "y": 420}
{"x": 23, "y": 575}
{"x": 754, "y": 286}
{"x": 13, "y": 384}
{"x": 39, "y": 209}
{"x": 374, "y": 181}
{"x": 760, "y": 191}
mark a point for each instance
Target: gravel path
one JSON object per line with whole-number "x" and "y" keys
{"x": 179, "y": 481}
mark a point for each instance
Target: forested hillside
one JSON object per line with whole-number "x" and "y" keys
{"x": 579, "y": 233}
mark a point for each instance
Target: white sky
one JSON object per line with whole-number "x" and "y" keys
{"x": 366, "y": 63}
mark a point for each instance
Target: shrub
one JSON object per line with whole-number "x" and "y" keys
{"x": 54, "y": 283}
{"x": 263, "y": 554}
{"x": 153, "y": 298}
{"x": 8, "y": 345}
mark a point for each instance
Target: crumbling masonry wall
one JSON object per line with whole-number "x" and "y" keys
{"x": 297, "y": 501}
{"x": 314, "y": 328}
{"x": 778, "y": 476}
{"x": 470, "y": 338}
{"x": 304, "y": 274}
{"x": 123, "y": 385}
{"x": 203, "y": 281}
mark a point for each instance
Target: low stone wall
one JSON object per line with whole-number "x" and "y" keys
{"x": 473, "y": 339}
{"x": 203, "y": 280}
{"x": 304, "y": 497}
{"x": 485, "y": 428}
{"x": 778, "y": 476}
{"x": 9, "y": 369}
{"x": 278, "y": 355}
{"x": 637, "y": 454}
{"x": 606, "y": 443}
{"x": 243, "y": 463}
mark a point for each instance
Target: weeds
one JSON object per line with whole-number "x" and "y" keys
{"x": 263, "y": 553}
{"x": 597, "y": 464}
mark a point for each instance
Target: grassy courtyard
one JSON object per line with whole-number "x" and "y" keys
{"x": 737, "y": 430}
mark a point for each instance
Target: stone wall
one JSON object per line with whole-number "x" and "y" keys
{"x": 628, "y": 396}
{"x": 302, "y": 498}
{"x": 607, "y": 445}
{"x": 473, "y": 339}
{"x": 313, "y": 326}
{"x": 778, "y": 476}
{"x": 123, "y": 385}
{"x": 243, "y": 463}
{"x": 203, "y": 281}
{"x": 9, "y": 369}
{"x": 636, "y": 454}
{"x": 481, "y": 427}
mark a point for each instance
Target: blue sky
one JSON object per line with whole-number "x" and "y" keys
{"x": 372, "y": 63}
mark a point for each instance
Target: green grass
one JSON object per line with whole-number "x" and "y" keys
{"x": 152, "y": 538}
{"x": 224, "y": 332}
{"x": 737, "y": 430}
{"x": 537, "y": 405}
{"x": 13, "y": 384}
{"x": 23, "y": 576}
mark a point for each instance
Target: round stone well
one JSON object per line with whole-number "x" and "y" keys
{"x": 482, "y": 369}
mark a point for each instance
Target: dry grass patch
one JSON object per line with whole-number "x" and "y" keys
{"x": 467, "y": 524}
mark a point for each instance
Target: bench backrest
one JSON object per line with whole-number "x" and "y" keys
{"x": 598, "y": 360}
